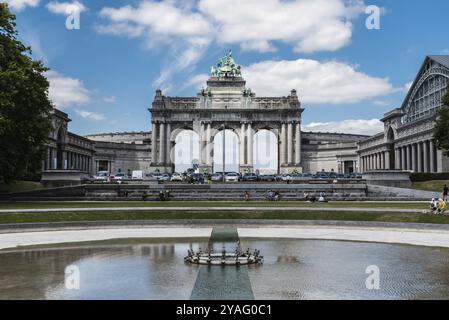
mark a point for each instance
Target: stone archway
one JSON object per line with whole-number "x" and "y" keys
{"x": 231, "y": 150}
{"x": 266, "y": 151}
{"x": 184, "y": 149}
{"x": 227, "y": 100}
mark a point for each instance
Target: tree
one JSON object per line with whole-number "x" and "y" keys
{"x": 25, "y": 109}
{"x": 441, "y": 130}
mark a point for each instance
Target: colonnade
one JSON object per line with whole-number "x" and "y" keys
{"x": 69, "y": 160}
{"x": 289, "y": 144}
{"x": 421, "y": 156}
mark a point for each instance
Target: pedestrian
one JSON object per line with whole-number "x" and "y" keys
{"x": 445, "y": 192}
{"x": 433, "y": 206}
{"x": 247, "y": 196}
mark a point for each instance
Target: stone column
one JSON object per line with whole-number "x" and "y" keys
{"x": 403, "y": 159}
{"x": 419, "y": 155}
{"x": 397, "y": 156}
{"x": 154, "y": 143}
{"x": 414, "y": 158}
{"x": 201, "y": 140}
{"x": 162, "y": 143}
{"x": 298, "y": 144}
{"x": 242, "y": 144}
{"x": 381, "y": 161}
{"x": 426, "y": 156}
{"x": 209, "y": 144}
{"x": 250, "y": 144}
{"x": 432, "y": 156}
{"x": 409, "y": 158}
{"x": 283, "y": 145}
{"x": 289, "y": 143}
{"x": 168, "y": 146}
{"x": 387, "y": 160}
{"x": 439, "y": 160}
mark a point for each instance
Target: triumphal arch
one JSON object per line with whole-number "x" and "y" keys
{"x": 226, "y": 104}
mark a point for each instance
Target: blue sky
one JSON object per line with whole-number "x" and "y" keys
{"x": 105, "y": 74}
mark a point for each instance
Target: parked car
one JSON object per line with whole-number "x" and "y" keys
{"x": 164, "y": 177}
{"x": 216, "y": 177}
{"x": 198, "y": 178}
{"x": 285, "y": 177}
{"x": 120, "y": 176}
{"x": 250, "y": 177}
{"x": 267, "y": 178}
{"x": 102, "y": 176}
{"x": 322, "y": 175}
{"x": 232, "y": 177}
{"x": 176, "y": 177}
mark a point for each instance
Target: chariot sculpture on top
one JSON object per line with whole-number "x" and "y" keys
{"x": 226, "y": 67}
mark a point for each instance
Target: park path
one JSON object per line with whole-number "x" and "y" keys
{"x": 220, "y": 209}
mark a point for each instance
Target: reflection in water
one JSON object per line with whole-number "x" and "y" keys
{"x": 336, "y": 270}
{"x": 292, "y": 269}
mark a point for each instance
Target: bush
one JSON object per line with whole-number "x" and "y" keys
{"x": 421, "y": 177}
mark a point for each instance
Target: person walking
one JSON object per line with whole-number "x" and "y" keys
{"x": 445, "y": 192}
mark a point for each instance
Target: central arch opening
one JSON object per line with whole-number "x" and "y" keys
{"x": 265, "y": 152}
{"x": 231, "y": 151}
{"x": 187, "y": 150}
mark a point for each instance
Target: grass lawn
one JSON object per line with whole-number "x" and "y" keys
{"x": 297, "y": 215}
{"x": 436, "y": 185}
{"x": 20, "y": 186}
{"x": 206, "y": 204}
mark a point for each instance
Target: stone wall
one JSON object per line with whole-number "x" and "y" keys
{"x": 122, "y": 137}
{"x": 392, "y": 192}
{"x": 123, "y": 157}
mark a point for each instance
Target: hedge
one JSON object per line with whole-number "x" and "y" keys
{"x": 421, "y": 177}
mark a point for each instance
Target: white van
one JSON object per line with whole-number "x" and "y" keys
{"x": 137, "y": 175}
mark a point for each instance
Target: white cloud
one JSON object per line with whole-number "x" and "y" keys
{"x": 365, "y": 127}
{"x": 198, "y": 81}
{"x": 19, "y": 5}
{"x": 121, "y": 29}
{"x": 161, "y": 18}
{"x": 188, "y": 28}
{"x": 307, "y": 25}
{"x": 187, "y": 32}
{"x": 91, "y": 116}
{"x": 65, "y": 91}
{"x": 65, "y": 8}
{"x": 316, "y": 82}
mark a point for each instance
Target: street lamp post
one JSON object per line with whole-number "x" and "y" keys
{"x": 224, "y": 155}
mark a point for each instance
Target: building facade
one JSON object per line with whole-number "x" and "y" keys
{"x": 227, "y": 104}
{"x": 407, "y": 140}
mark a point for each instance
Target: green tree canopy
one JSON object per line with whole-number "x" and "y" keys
{"x": 25, "y": 109}
{"x": 441, "y": 131}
